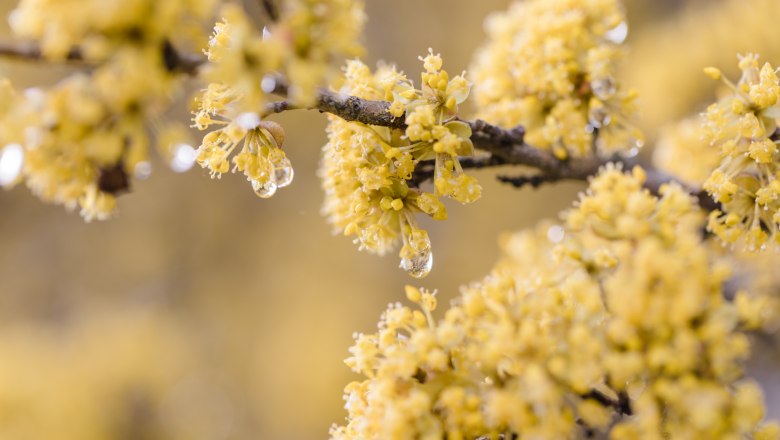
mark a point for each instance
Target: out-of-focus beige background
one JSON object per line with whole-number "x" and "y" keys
{"x": 203, "y": 312}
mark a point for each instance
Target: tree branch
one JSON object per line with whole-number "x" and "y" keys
{"x": 505, "y": 146}
{"x": 270, "y": 9}
{"x": 27, "y": 51}
{"x": 622, "y": 404}
{"x": 32, "y": 52}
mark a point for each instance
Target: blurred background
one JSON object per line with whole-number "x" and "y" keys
{"x": 203, "y": 312}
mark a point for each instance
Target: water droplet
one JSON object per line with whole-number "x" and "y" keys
{"x": 142, "y": 170}
{"x": 283, "y": 172}
{"x": 420, "y": 264}
{"x": 598, "y": 117}
{"x": 11, "y": 161}
{"x": 618, "y": 33}
{"x": 268, "y": 84}
{"x": 603, "y": 88}
{"x": 264, "y": 190}
{"x": 555, "y": 234}
{"x": 248, "y": 120}
{"x": 36, "y": 95}
{"x": 183, "y": 157}
{"x": 631, "y": 152}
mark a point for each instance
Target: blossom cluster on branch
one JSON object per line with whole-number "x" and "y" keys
{"x": 625, "y": 321}
{"x": 551, "y": 67}
{"x": 614, "y": 322}
{"x": 366, "y": 169}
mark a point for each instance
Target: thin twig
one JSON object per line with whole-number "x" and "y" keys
{"x": 32, "y": 52}
{"x": 270, "y": 9}
{"x": 505, "y": 146}
{"x": 425, "y": 169}
{"x": 534, "y": 181}
{"x": 28, "y": 51}
{"x": 622, "y": 404}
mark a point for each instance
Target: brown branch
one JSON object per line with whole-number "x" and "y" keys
{"x": 351, "y": 108}
{"x": 32, "y": 52}
{"x": 534, "y": 181}
{"x": 27, "y": 51}
{"x": 506, "y": 146}
{"x": 622, "y": 404}
{"x": 270, "y": 9}
{"x": 425, "y": 169}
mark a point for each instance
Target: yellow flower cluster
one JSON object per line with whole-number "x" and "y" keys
{"x": 666, "y": 55}
{"x": 100, "y": 28}
{"x": 366, "y": 169}
{"x": 260, "y": 158}
{"x": 242, "y": 66}
{"x": 743, "y": 127}
{"x": 614, "y": 324}
{"x": 76, "y": 151}
{"x": 549, "y": 65}
{"x": 303, "y": 44}
{"x": 84, "y": 137}
{"x": 683, "y": 150}
{"x": 317, "y": 33}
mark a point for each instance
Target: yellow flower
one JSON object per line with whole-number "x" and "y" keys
{"x": 366, "y": 169}
{"x": 742, "y": 126}
{"x": 260, "y": 157}
{"x": 550, "y": 66}
{"x": 616, "y": 324}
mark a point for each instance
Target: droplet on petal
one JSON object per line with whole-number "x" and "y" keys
{"x": 142, "y": 170}
{"x": 631, "y": 152}
{"x": 268, "y": 84}
{"x": 603, "y": 88}
{"x": 598, "y": 117}
{"x": 618, "y": 33}
{"x": 184, "y": 156}
{"x": 283, "y": 172}
{"x": 556, "y": 233}
{"x": 248, "y": 120}
{"x": 11, "y": 161}
{"x": 264, "y": 189}
{"x": 419, "y": 264}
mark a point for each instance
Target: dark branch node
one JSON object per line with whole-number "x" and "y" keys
{"x": 114, "y": 179}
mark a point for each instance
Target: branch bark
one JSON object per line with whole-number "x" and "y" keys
{"x": 27, "y": 51}
{"x": 505, "y": 146}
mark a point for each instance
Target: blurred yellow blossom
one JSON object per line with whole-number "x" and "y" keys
{"x": 683, "y": 150}
{"x": 550, "y": 66}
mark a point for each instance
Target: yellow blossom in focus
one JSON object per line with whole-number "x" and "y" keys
{"x": 743, "y": 127}
{"x": 615, "y": 325}
{"x": 366, "y": 170}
